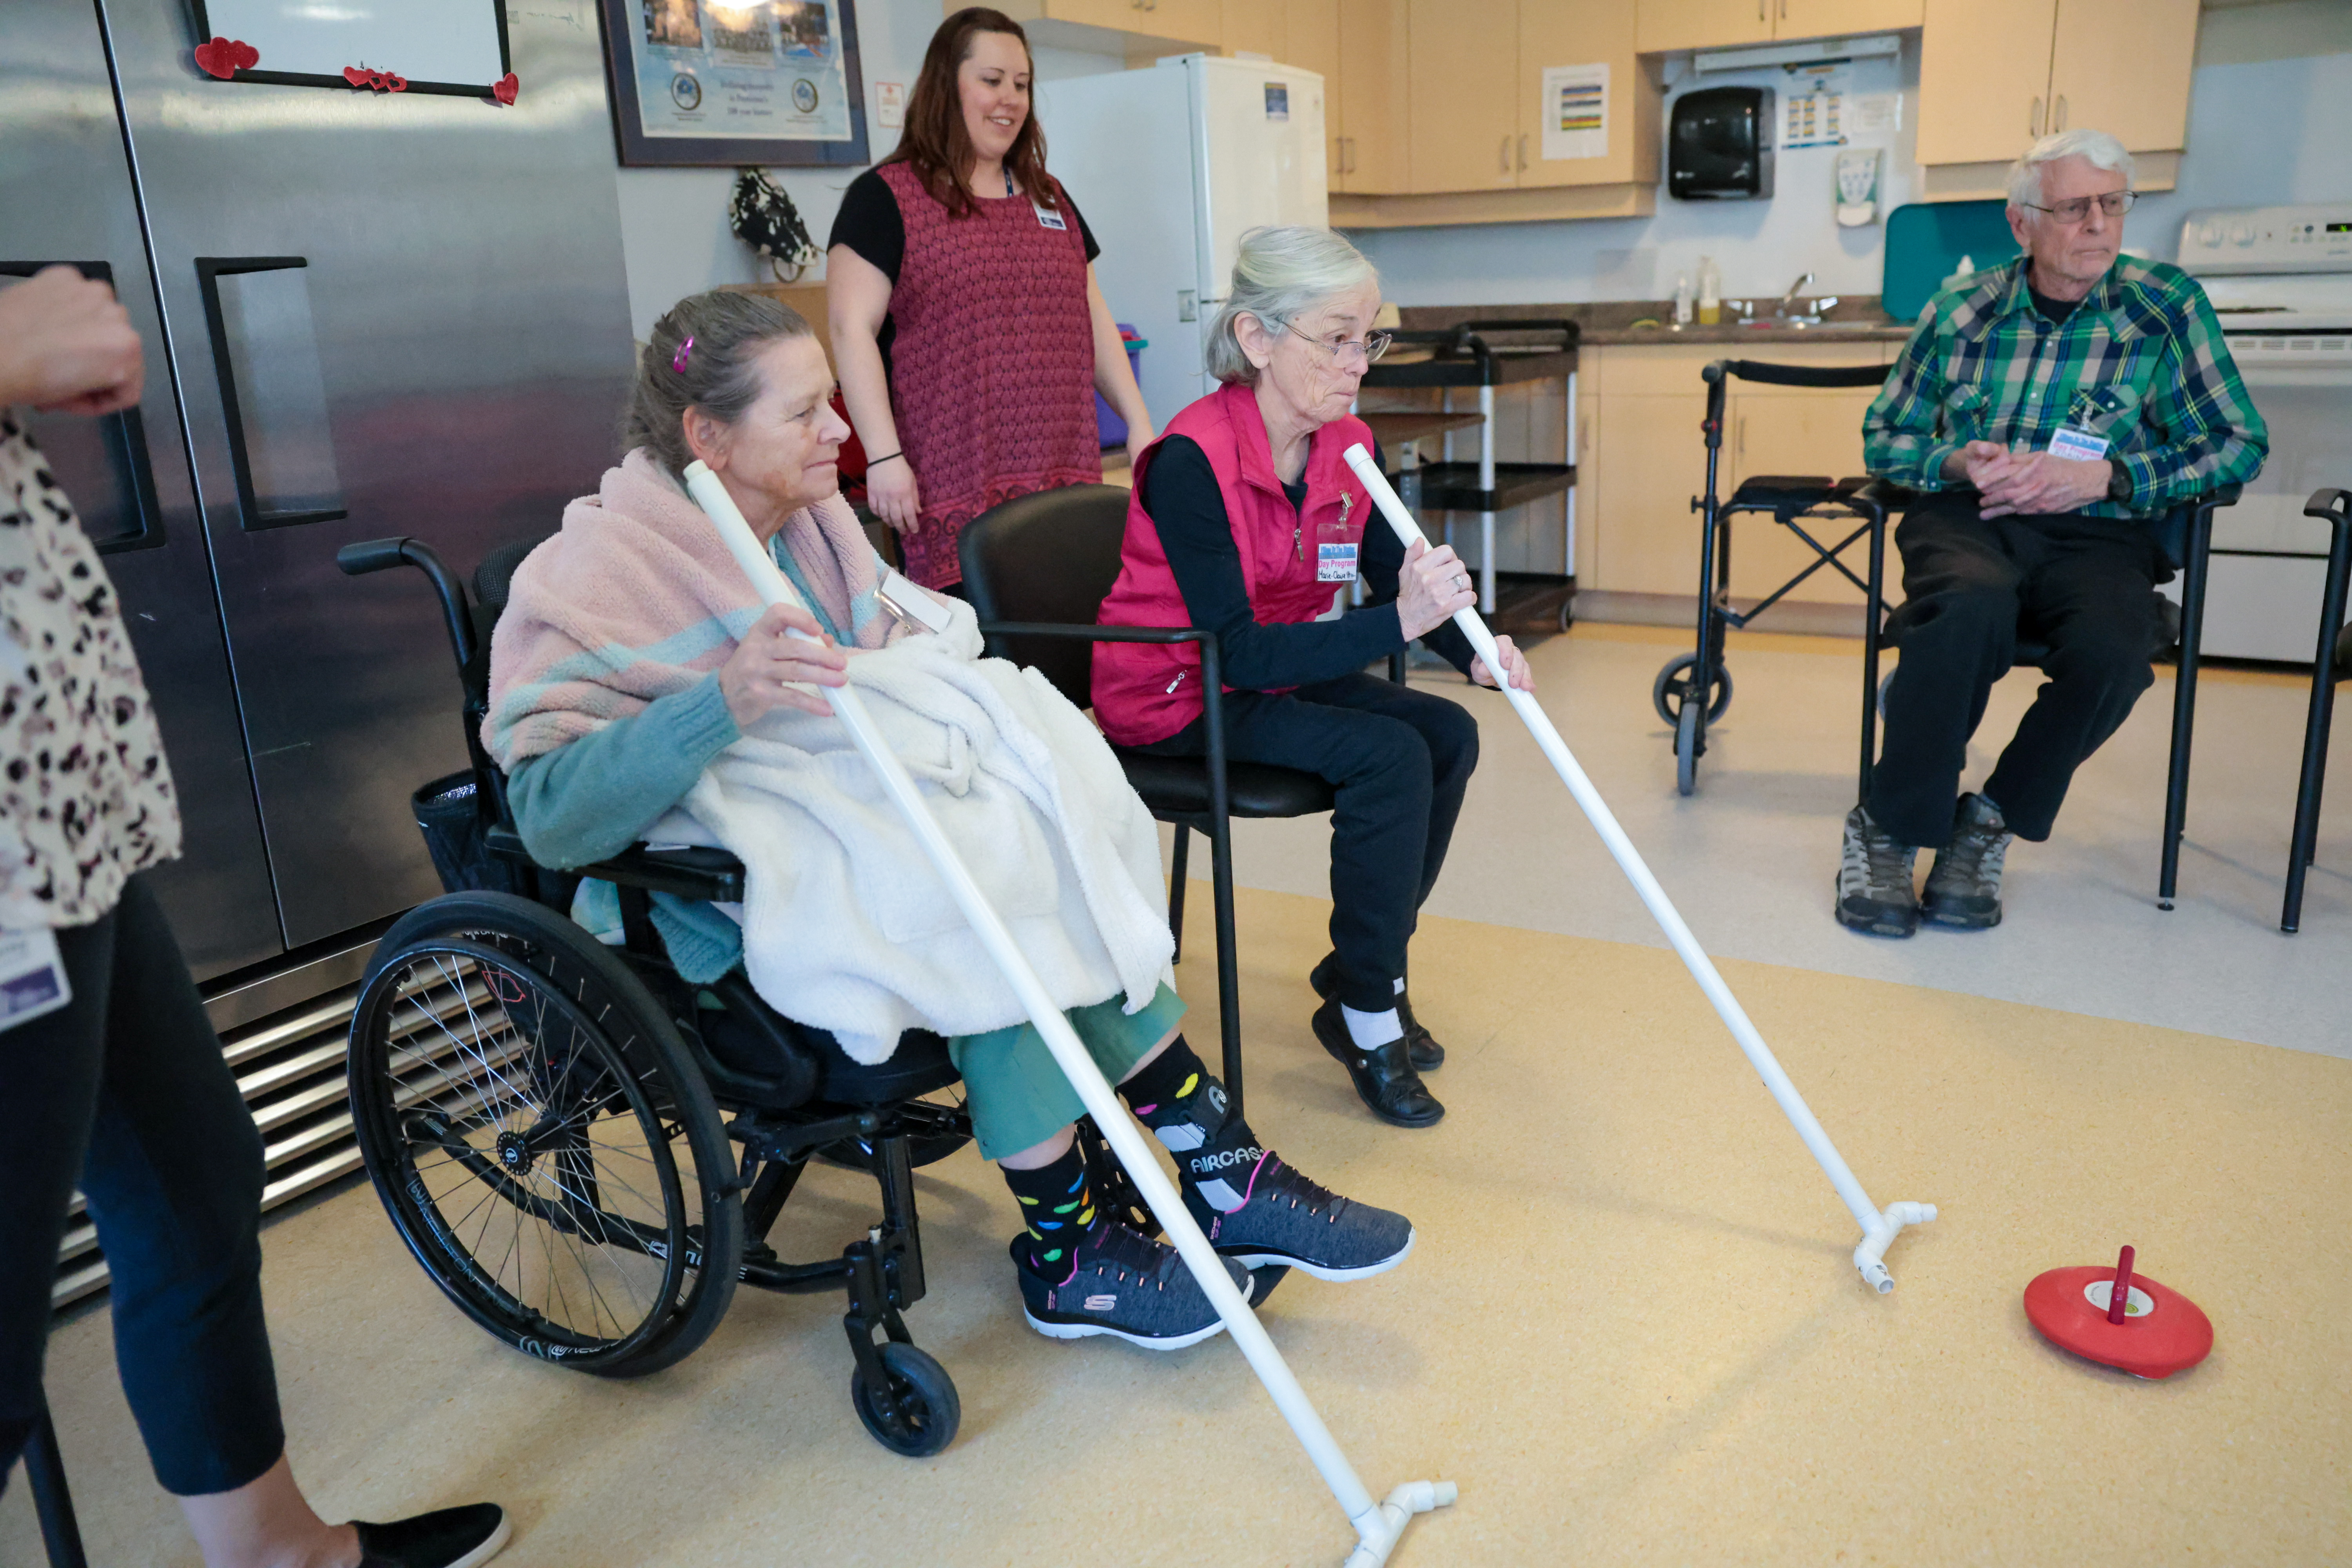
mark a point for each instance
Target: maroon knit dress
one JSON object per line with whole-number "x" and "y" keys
{"x": 993, "y": 367}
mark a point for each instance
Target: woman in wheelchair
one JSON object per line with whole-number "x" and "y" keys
{"x": 635, "y": 682}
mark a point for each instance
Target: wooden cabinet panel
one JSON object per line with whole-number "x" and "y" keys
{"x": 1792, "y": 430}
{"x": 1375, "y": 112}
{"x": 1820, "y": 18}
{"x": 1465, "y": 120}
{"x": 1647, "y": 463}
{"x": 1984, "y": 77}
{"x": 2122, "y": 67}
{"x": 1700, "y": 24}
{"x": 1257, "y": 27}
{"x": 1201, "y": 19}
{"x": 1311, "y": 42}
{"x": 1576, "y": 32}
{"x": 1124, "y": 15}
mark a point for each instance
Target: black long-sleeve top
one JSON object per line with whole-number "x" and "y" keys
{"x": 1180, "y": 494}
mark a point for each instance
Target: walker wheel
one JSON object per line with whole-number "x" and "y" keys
{"x": 1686, "y": 749}
{"x": 927, "y": 1409}
{"x": 1668, "y": 692}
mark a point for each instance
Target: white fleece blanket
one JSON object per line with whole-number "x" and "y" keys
{"x": 846, "y": 924}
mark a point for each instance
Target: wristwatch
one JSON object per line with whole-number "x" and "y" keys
{"x": 2119, "y": 482}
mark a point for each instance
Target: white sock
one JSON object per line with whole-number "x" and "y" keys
{"x": 1370, "y": 1030}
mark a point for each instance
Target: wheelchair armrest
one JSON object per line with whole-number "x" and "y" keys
{"x": 1094, "y": 632}
{"x": 688, "y": 872}
{"x": 2329, "y": 506}
{"x": 1872, "y": 490}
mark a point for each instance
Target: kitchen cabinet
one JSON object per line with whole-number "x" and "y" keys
{"x": 1570, "y": 32}
{"x": 1133, "y": 27}
{"x": 1725, "y": 24}
{"x": 1989, "y": 86}
{"x": 1464, "y": 117}
{"x": 1259, "y": 26}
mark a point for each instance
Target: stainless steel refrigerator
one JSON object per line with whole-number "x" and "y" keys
{"x": 365, "y": 314}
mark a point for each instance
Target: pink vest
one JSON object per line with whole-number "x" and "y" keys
{"x": 1144, "y": 691}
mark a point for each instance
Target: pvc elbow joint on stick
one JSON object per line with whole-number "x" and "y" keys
{"x": 1878, "y": 1228}
{"x": 1071, "y": 1055}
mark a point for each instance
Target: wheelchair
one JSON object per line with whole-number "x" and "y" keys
{"x": 587, "y": 1153}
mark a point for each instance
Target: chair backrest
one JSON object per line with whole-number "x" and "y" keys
{"x": 1048, "y": 557}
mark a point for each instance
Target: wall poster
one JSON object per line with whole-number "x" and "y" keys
{"x": 1576, "y": 111}
{"x": 766, "y": 83}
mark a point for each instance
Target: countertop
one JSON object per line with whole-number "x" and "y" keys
{"x": 1855, "y": 319}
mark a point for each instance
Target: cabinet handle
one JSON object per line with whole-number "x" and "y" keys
{"x": 2033, "y": 118}
{"x": 1739, "y": 438}
{"x": 1503, "y": 160}
{"x": 1523, "y": 151}
{"x": 2058, "y": 114}
{"x": 1760, "y": 10}
{"x": 1784, "y": 10}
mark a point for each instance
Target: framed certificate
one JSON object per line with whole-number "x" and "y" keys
{"x": 766, "y": 83}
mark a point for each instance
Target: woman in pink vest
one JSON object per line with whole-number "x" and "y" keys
{"x": 970, "y": 334}
{"x": 1246, "y": 522}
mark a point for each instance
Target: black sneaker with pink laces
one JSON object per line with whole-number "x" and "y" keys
{"x": 1286, "y": 1219}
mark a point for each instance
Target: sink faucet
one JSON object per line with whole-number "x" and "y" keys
{"x": 1789, "y": 298}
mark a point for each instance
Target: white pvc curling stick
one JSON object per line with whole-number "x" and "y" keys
{"x": 1378, "y": 1524}
{"x": 1879, "y": 1227}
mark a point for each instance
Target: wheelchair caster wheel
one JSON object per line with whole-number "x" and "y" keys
{"x": 921, "y": 1412}
{"x": 1672, "y": 689}
{"x": 1686, "y": 749}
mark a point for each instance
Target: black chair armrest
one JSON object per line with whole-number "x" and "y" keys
{"x": 1094, "y": 632}
{"x": 2329, "y": 505}
{"x": 689, "y": 872}
{"x": 2219, "y": 495}
{"x": 1885, "y": 494}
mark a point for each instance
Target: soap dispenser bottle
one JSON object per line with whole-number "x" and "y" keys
{"x": 1710, "y": 292}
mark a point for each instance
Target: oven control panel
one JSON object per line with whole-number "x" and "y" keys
{"x": 2223, "y": 240}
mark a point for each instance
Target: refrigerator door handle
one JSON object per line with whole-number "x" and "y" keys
{"x": 210, "y": 270}
{"x": 124, "y": 433}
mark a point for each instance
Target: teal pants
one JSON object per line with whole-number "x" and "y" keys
{"x": 1015, "y": 1089}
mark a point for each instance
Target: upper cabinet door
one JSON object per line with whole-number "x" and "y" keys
{"x": 1984, "y": 77}
{"x": 1257, "y": 27}
{"x": 1199, "y": 21}
{"x": 1465, "y": 120}
{"x": 1827, "y": 18}
{"x": 1311, "y": 42}
{"x": 1699, "y": 24}
{"x": 2122, "y": 67}
{"x": 1375, "y": 112}
{"x": 1555, "y": 33}
{"x": 1127, "y": 15}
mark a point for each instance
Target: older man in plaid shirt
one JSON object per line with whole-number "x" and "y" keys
{"x": 2053, "y": 409}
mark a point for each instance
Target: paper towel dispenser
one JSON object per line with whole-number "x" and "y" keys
{"x": 1719, "y": 145}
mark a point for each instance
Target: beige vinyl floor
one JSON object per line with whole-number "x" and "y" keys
{"x": 1628, "y": 1329}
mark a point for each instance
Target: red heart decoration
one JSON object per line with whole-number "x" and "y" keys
{"x": 224, "y": 58}
{"x": 505, "y": 88}
{"x": 358, "y": 76}
{"x": 390, "y": 82}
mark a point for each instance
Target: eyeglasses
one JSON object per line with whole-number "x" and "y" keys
{"x": 2074, "y": 209}
{"x": 1348, "y": 350}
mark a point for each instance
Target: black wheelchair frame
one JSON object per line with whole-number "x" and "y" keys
{"x": 508, "y": 918}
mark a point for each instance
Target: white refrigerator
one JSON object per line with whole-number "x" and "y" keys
{"x": 1170, "y": 166}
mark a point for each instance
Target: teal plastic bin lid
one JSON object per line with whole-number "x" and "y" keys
{"x": 1926, "y": 242}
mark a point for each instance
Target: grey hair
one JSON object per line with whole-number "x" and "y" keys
{"x": 715, "y": 375}
{"x": 2097, "y": 148}
{"x": 1279, "y": 274}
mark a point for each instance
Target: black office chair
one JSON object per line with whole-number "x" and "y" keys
{"x": 1037, "y": 569}
{"x": 44, "y": 1473}
{"x": 2186, "y": 535}
{"x": 2331, "y": 662}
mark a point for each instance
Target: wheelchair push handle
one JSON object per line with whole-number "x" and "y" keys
{"x": 371, "y": 555}
{"x": 383, "y": 554}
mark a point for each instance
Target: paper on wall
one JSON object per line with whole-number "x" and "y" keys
{"x": 1870, "y": 116}
{"x": 1576, "y": 111}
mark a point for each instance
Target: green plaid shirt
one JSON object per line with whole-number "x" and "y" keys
{"x": 2140, "y": 362}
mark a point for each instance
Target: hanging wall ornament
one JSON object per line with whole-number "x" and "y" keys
{"x": 764, "y": 218}
{"x": 505, "y": 89}
{"x": 224, "y": 58}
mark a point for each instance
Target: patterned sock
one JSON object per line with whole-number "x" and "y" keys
{"x": 1057, "y": 1209}
{"x": 1216, "y": 1153}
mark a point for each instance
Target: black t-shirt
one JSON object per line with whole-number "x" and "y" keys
{"x": 2058, "y": 310}
{"x": 1180, "y": 495}
{"x": 870, "y": 224}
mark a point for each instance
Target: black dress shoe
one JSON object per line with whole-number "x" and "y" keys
{"x": 1427, "y": 1054}
{"x": 1383, "y": 1076}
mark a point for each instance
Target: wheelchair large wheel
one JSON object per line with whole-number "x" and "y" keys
{"x": 1673, "y": 686}
{"x": 540, "y": 1139}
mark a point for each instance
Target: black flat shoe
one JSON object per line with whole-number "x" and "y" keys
{"x": 1383, "y": 1076}
{"x": 451, "y": 1538}
{"x": 1427, "y": 1054}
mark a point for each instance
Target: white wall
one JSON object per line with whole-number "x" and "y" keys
{"x": 2261, "y": 129}
{"x": 674, "y": 221}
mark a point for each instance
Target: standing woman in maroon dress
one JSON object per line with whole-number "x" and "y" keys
{"x": 969, "y": 332}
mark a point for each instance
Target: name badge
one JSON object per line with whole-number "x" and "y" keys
{"x": 1336, "y": 546}
{"x": 1046, "y": 217}
{"x": 909, "y": 603}
{"x": 32, "y": 976}
{"x": 2079, "y": 444}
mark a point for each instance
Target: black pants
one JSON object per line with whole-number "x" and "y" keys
{"x": 2086, "y": 585}
{"x": 1398, "y": 762}
{"x": 125, "y": 1090}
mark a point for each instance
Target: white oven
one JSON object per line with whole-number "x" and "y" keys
{"x": 2281, "y": 282}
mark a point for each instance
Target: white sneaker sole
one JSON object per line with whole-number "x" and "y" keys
{"x": 1321, "y": 1271}
{"x": 1145, "y": 1342}
{"x": 496, "y": 1544}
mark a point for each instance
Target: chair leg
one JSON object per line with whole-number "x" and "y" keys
{"x": 45, "y": 1472}
{"x": 2184, "y": 703}
{"x": 1874, "y": 603}
{"x": 2305, "y": 843}
{"x": 1229, "y": 982}
{"x": 1176, "y": 891}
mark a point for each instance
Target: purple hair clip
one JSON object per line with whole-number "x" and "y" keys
{"x": 685, "y": 352}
